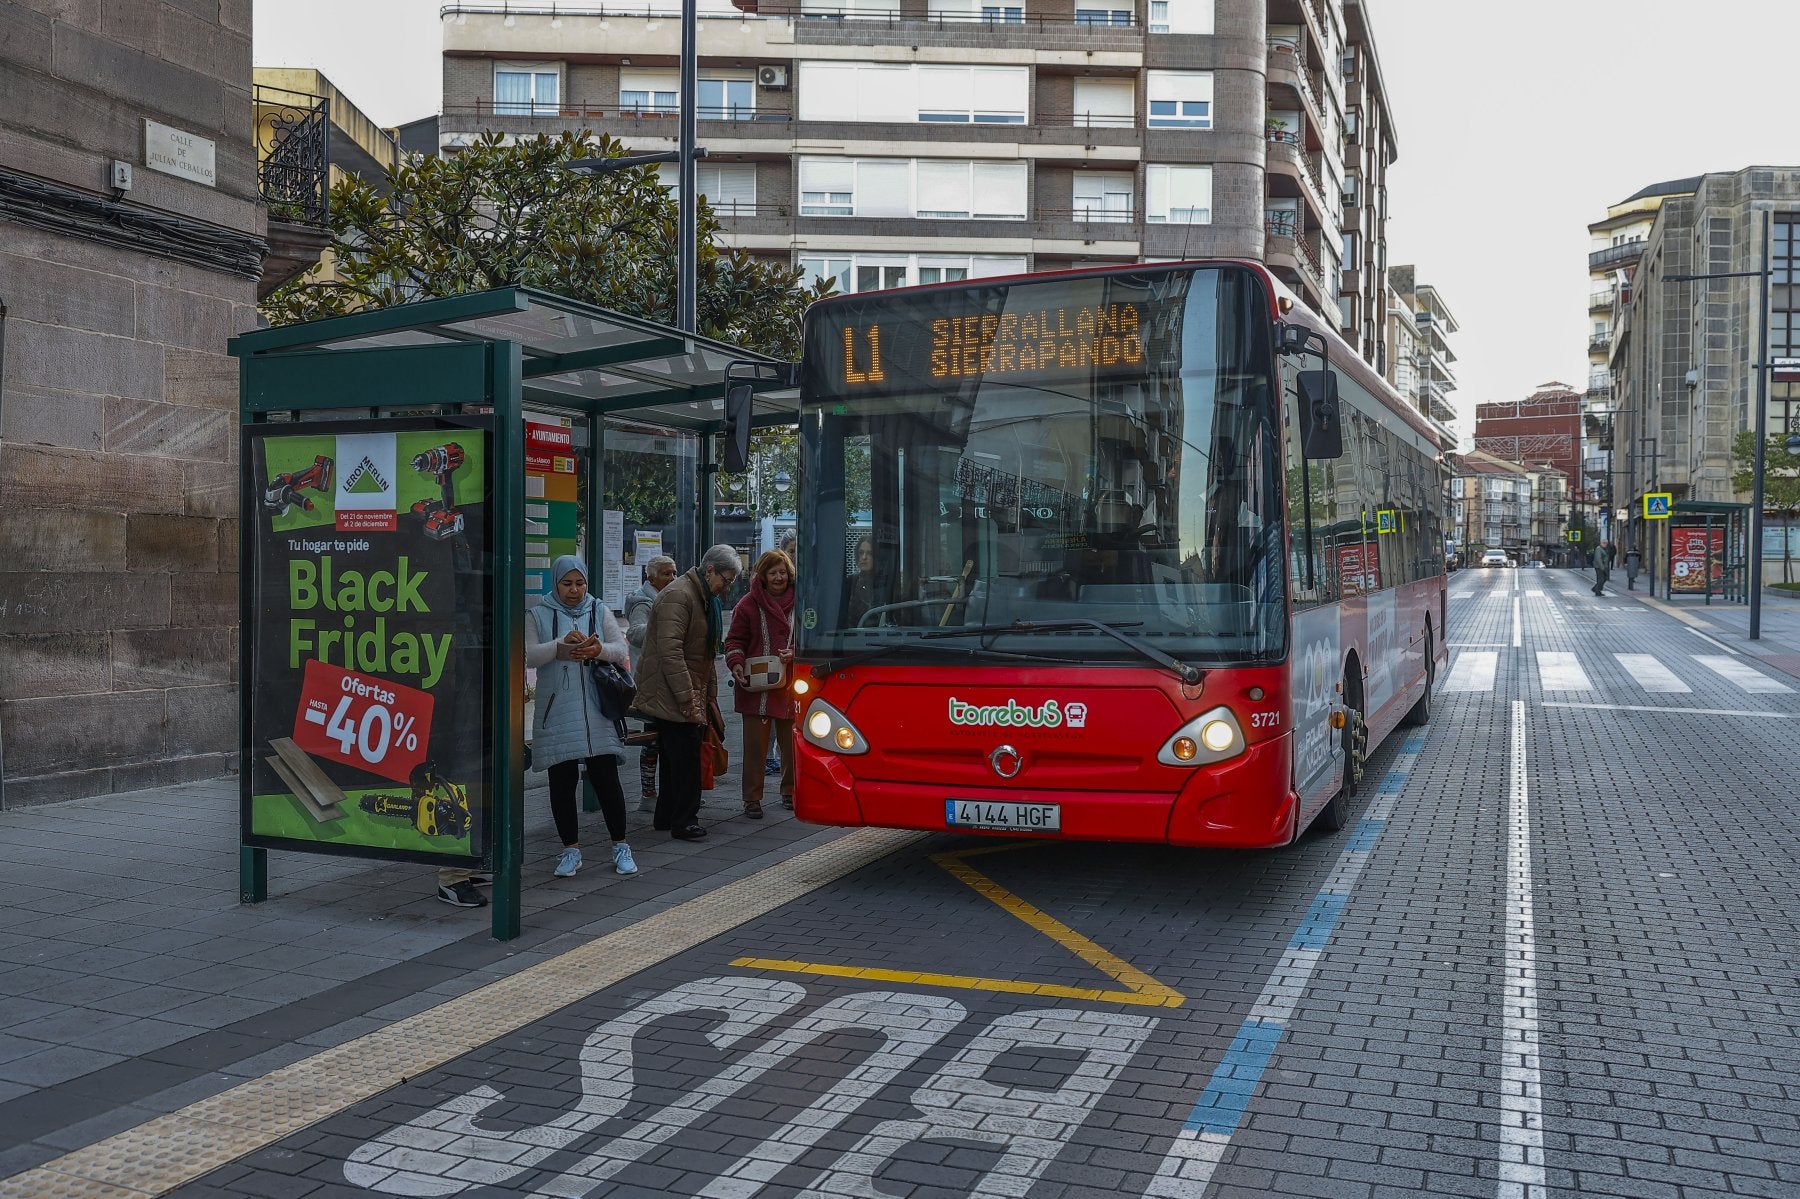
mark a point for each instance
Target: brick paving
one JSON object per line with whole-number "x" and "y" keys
{"x": 1665, "y": 900}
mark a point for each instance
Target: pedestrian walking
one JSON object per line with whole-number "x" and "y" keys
{"x": 759, "y": 652}
{"x": 659, "y": 572}
{"x": 1603, "y": 560}
{"x": 565, "y": 636}
{"x": 678, "y": 687}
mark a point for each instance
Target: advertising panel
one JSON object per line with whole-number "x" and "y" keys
{"x": 368, "y": 638}
{"x": 1688, "y": 558}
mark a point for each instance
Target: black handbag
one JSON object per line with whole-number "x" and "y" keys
{"x": 618, "y": 691}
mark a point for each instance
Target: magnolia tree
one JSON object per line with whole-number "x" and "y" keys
{"x": 500, "y": 213}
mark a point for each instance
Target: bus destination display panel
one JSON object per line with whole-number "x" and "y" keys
{"x": 1038, "y": 334}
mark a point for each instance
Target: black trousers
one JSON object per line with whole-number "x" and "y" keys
{"x": 604, "y": 774}
{"x": 678, "y": 757}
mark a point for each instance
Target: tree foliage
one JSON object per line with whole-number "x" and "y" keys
{"x": 504, "y": 213}
{"x": 1781, "y": 485}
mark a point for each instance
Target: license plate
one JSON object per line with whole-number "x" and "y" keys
{"x": 1005, "y": 817}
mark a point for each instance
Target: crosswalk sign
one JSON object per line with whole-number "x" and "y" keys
{"x": 1657, "y": 505}
{"x": 1574, "y": 534}
{"x": 1385, "y": 521}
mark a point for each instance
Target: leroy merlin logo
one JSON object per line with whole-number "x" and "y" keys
{"x": 1013, "y": 714}
{"x": 366, "y": 479}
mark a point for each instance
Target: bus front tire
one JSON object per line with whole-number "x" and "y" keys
{"x": 1336, "y": 814}
{"x": 1420, "y": 713}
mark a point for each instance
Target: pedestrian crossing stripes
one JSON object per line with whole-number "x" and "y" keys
{"x": 1559, "y": 670}
{"x": 1473, "y": 670}
{"x": 1651, "y": 674}
{"x": 1736, "y": 670}
{"x": 1477, "y": 670}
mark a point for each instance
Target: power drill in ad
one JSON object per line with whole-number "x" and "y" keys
{"x": 442, "y": 520}
{"x": 283, "y": 491}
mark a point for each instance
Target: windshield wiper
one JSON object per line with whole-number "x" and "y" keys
{"x": 889, "y": 647}
{"x": 1191, "y": 675}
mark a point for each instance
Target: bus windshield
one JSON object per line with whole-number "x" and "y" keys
{"x": 1085, "y": 448}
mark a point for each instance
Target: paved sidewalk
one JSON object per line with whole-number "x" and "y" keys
{"x": 132, "y": 982}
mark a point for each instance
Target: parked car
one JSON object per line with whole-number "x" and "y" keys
{"x": 1495, "y": 558}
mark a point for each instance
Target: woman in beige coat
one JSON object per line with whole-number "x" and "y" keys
{"x": 677, "y": 687}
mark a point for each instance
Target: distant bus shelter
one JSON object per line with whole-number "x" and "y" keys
{"x": 408, "y": 476}
{"x": 1708, "y": 550}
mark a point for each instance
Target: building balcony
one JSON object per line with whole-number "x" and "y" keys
{"x": 1291, "y": 175}
{"x": 1288, "y": 71}
{"x": 1600, "y": 343}
{"x": 1286, "y": 253}
{"x": 1064, "y": 31}
{"x": 1613, "y": 257}
{"x": 1601, "y": 300}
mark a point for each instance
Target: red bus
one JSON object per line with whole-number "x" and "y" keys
{"x": 1141, "y": 553}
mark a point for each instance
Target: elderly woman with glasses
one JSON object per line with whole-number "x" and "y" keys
{"x": 677, "y": 687}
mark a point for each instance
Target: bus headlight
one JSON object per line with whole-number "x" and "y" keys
{"x": 1210, "y": 737}
{"x": 828, "y": 728}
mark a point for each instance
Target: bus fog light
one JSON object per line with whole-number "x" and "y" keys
{"x": 1210, "y": 737}
{"x": 819, "y": 725}
{"x": 802, "y": 686}
{"x": 845, "y": 739}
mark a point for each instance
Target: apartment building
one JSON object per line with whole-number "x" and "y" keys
{"x": 1544, "y": 427}
{"x": 1418, "y": 328}
{"x": 886, "y": 143}
{"x": 1683, "y": 353}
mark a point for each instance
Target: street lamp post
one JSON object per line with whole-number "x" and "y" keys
{"x": 1762, "y": 419}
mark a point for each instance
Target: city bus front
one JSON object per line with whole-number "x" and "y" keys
{"x": 1042, "y": 564}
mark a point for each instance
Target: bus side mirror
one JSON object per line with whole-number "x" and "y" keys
{"x": 736, "y": 457}
{"x": 1321, "y": 429}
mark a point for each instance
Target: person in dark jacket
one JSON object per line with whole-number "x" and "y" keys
{"x": 659, "y": 572}
{"x": 677, "y": 687}
{"x": 1603, "y": 560}
{"x": 762, "y": 625}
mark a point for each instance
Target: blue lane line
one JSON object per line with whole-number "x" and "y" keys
{"x": 1222, "y": 1104}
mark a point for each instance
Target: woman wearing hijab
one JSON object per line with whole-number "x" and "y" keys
{"x": 762, "y": 625}
{"x": 564, "y": 635}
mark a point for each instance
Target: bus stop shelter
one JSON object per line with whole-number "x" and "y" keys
{"x": 1707, "y": 552}
{"x": 407, "y": 475}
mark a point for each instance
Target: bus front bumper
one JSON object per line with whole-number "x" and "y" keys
{"x": 1246, "y": 803}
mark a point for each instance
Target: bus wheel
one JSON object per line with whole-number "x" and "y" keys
{"x": 1336, "y": 814}
{"x": 1420, "y": 713}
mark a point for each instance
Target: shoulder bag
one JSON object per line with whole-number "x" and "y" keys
{"x": 618, "y": 690}
{"x": 767, "y": 672}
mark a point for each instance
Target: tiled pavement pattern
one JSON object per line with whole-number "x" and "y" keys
{"x": 1665, "y": 964}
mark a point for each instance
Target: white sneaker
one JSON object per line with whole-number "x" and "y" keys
{"x": 623, "y": 862}
{"x": 569, "y": 863}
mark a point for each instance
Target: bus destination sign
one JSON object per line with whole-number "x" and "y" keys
{"x": 940, "y": 341}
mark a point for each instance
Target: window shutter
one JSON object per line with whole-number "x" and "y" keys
{"x": 1105, "y": 102}
{"x": 883, "y": 188}
{"x": 999, "y": 189}
{"x": 945, "y": 90}
{"x": 943, "y": 189}
{"x": 884, "y": 93}
{"x": 824, "y": 86}
{"x": 827, "y": 175}
{"x": 999, "y": 92}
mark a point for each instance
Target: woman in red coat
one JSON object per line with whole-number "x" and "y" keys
{"x": 762, "y": 626}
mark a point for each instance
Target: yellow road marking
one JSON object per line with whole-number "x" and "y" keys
{"x": 1685, "y": 617}
{"x": 961, "y": 982}
{"x": 1141, "y": 987}
{"x": 169, "y": 1151}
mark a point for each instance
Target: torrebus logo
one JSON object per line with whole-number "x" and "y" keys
{"x": 1012, "y": 714}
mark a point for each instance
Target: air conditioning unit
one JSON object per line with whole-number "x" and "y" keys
{"x": 772, "y": 77}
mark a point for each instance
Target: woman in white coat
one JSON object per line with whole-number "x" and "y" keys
{"x": 563, "y": 635}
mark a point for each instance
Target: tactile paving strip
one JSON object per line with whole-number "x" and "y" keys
{"x": 164, "y": 1153}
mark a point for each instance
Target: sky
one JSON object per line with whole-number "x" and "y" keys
{"x": 1519, "y": 121}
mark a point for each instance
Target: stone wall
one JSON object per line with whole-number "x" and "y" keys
{"x": 118, "y": 405}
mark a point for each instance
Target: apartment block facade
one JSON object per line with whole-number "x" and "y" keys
{"x": 1418, "y": 327}
{"x": 887, "y": 143}
{"x": 1682, "y": 353}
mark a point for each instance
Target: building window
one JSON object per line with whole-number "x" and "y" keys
{"x": 902, "y": 187}
{"x": 527, "y": 90}
{"x": 1179, "y": 99}
{"x": 1178, "y": 195}
{"x": 979, "y": 95}
{"x": 1181, "y": 16}
{"x": 1352, "y": 123}
{"x": 897, "y": 94}
{"x": 1352, "y": 189}
{"x": 1096, "y": 12}
{"x": 854, "y": 10}
{"x": 1349, "y": 251}
{"x": 1105, "y": 103}
{"x": 1349, "y": 65}
{"x": 725, "y": 99}
{"x": 653, "y": 93}
{"x": 973, "y": 10}
{"x": 729, "y": 187}
{"x": 1786, "y": 250}
{"x": 1103, "y": 198}
{"x": 869, "y": 272}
